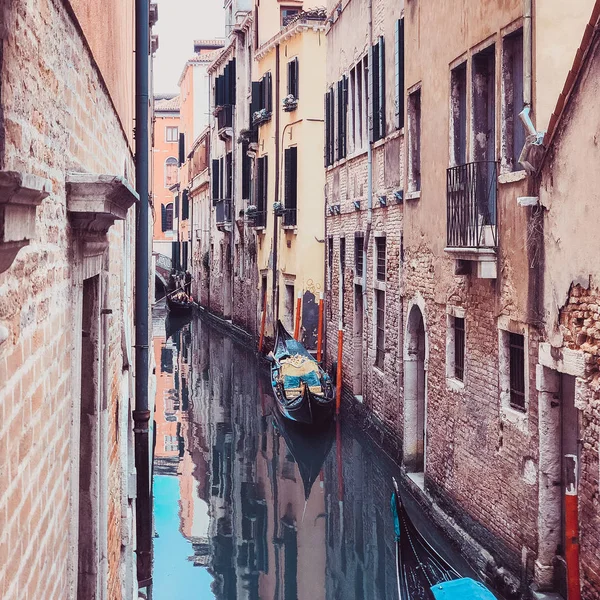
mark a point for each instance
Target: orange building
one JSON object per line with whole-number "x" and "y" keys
{"x": 165, "y": 163}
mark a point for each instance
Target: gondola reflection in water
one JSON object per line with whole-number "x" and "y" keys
{"x": 303, "y": 391}
{"x": 422, "y": 573}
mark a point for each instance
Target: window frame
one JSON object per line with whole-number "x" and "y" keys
{"x": 413, "y": 154}
{"x": 170, "y": 128}
{"x": 516, "y": 415}
{"x": 172, "y": 161}
{"x": 379, "y": 328}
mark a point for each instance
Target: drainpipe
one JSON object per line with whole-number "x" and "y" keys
{"x": 369, "y": 177}
{"x": 275, "y": 217}
{"x": 527, "y": 52}
{"x": 141, "y": 413}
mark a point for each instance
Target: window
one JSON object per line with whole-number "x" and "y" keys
{"x": 342, "y": 115}
{"x": 216, "y": 180}
{"x": 399, "y": 73}
{"x": 171, "y": 443}
{"x": 287, "y": 14}
{"x": 224, "y": 88}
{"x": 291, "y": 186}
{"x": 358, "y": 255}
{"x": 458, "y": 110}
{"x": 293, "y": 78}
{"x": 185, "y": 206}
{"x": 289, "y": 307}
{"x": 181, "y": 148}
{"x": 378, "y": 89}
{"x": 228, "y": 175}
{"x": 517, "y": 371}
{"x": 358, "y": 102}
{"x": 262, "y": 180}
{"x": 414, "y": 141}
{"x": 459, "y": 348}
{"x": 380, "y": 328}
{"x": 380, "y": 247}
{"x": 262, "y": 104}
{"x": 512, "y": 92}
{"x": 170, "y": 171}
{"x": 167, "y": 217}
{"x": 484, "y": 105}
{"x": 246, "y": 172}
{"x": 172, "y": 134}
{"x": 329, "y": 127}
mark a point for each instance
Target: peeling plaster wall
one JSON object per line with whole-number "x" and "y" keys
{"x": 570, "y": 193}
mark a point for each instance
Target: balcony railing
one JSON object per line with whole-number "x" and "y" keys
{"x": 471, "y": 193}
{"x": 225, "y": 117}
{"x": 290, "y": 217}
{"x": 223, "y": 211}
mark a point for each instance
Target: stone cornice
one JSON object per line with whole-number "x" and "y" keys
{"x": 296, "y": 28}
{"x": 95, "y": 202}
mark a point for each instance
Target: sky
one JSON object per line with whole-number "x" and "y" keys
{"x": 180, "y": 22}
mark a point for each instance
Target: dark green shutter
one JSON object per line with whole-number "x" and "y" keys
{"x": 399, "y": 69}
{"x": 163, "y": 217}
{"x": 215, "y": 179}
{"x": 381, "y": 69}
{"x": 181, "y": 148}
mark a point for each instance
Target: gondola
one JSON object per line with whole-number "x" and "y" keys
{"x": 422, "y": 573}
{"x": 180, "y": 306}
{"x": 309, "y": 449}
{"x": 303, "y": 391}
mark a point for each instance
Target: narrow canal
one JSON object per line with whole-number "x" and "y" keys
{"x": 246, "y": 508}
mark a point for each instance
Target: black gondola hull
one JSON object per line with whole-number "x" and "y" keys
{"x": 178, "y": 308}
{"x": 307, "y": 407}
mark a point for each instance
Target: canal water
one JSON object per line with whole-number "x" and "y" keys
{"x": 246, "y": 508}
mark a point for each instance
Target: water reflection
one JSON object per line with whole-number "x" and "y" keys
{"x": 263, "y": 512}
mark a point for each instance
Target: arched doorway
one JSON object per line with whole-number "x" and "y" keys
{"x": 415, "y": 351}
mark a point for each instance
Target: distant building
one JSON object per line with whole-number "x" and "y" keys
{"x": 165, "y": 166}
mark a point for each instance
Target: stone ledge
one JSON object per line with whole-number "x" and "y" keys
{"x": 20, "y": 195}
{"x": 95, "y": 202}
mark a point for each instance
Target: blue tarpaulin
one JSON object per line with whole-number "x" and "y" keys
{"x": 461, "y": 589}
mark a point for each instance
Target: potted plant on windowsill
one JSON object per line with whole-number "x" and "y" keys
{"x": 290, "y": 103}
{"x": 260, "y": 116}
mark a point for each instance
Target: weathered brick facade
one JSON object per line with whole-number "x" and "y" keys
{"x": 59, "y": 118}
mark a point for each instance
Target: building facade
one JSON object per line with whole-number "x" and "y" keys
{"x": 165, "y": 165}
{"x": 67, "y": 233}
{"x": 364, "y": 158}
{"x": 287, "y": 209}
{"x": 455, "y": 356}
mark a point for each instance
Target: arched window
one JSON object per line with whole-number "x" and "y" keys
{"x": 170, "y": 171}
{"x": 167, "y": 217}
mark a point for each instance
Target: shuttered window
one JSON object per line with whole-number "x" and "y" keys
{"x": 228, "y": 175}
{"x": 459, "y": 348}
{"x": 167, "y": 217}
{"x": 291, "y": 186}
{"x": 342, "y": 115}
{"x": 261, "y": 190}
{"x": 215, "y": 179}
{"x": 380, "y": 330}
{"x": 181, "y": 148}
{"x": 378, "y": 89}
{"x": 293, "y": 79}
{"x": 517, "y": 371}
{"x": 358, "y": 255}
{"x": 329, "y": 127}
{"x": 185, "y": 206}
{"x": 399, "y": 72}
{"x": 246, "y": 171}
{"x": 380, "y": 247}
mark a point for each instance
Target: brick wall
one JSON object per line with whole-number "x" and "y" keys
{"x": 58, "y": 118}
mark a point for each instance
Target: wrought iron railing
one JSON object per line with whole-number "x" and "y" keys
{"x": 225, "y": 117}
{"x": 223, "y": 211}
{"x": 290, "y": 217}
{"x": 471, "y": 193}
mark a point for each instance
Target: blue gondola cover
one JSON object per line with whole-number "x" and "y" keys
{"x": 461, "y": 589}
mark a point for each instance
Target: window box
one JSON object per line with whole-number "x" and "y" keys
{"x": 290, "y": 103}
